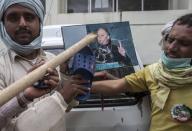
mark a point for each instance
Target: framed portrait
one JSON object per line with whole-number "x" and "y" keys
{"x": 113, "y": 48}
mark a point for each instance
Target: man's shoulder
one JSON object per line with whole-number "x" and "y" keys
{"x": 150, "y": 69}
{"x": 152, "y": 66}
{"x": 49, "y": 54}
{"x": 3, "y": 52}
{"x": 4, "y": 56}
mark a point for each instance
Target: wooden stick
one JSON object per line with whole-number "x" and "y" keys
{"x": 26, "y": 81}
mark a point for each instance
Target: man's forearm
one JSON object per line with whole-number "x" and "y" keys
{"x": 108, "y": 87}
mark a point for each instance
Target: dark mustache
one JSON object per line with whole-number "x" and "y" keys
{"x": 22, "y": 30}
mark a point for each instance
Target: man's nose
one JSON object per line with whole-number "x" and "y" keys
{"x": 173, "y": 46}
{"x": 22, "y": 21}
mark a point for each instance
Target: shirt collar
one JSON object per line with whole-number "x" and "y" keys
{"x": 15, "y": 56}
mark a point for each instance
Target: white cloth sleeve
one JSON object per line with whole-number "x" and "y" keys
{"x": 9, "y": 110}
{"x": 46, "y": 115}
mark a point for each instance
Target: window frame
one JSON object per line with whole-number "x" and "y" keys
{"x": 115, "y": 6}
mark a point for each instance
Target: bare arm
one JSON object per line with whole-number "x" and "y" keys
{"x": 110, "y": 87}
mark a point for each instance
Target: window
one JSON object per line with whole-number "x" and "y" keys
{"x": 87, "y": 6}
{"x": 139, "y": 5}
{"x": 156, "y": 5}
{"x": 102, "y": 6}
{"x": 77, "y": 6}
{"x": 129, "y": 5}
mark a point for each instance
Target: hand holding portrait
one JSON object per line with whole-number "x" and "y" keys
{"x": 73, "y": 87}
{"x": 51, "y": 80}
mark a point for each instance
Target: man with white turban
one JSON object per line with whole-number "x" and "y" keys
{"x": 21, "y": 23}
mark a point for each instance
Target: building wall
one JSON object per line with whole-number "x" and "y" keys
{"x": 145, "y": 25}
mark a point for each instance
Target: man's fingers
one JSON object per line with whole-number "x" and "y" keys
{"x": 52, "y": 74}
{"x": 51, "y": 83}
{"x": 77, "y": 77}
{"x": 51, "y": 71}
{"x": 74, "y": 93}
{"x": 79, "y": 87}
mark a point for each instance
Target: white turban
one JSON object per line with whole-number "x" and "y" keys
{"x": 167, "y": 28}
{"x": 38, "y": 8}
{"x": 164, "y": 31}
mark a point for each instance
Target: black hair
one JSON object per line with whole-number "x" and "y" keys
{"x": 105, "y": 29}
{"x": 184, "y": 20}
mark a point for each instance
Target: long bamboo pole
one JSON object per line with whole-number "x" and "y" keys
{"x": 21, "y": 84}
